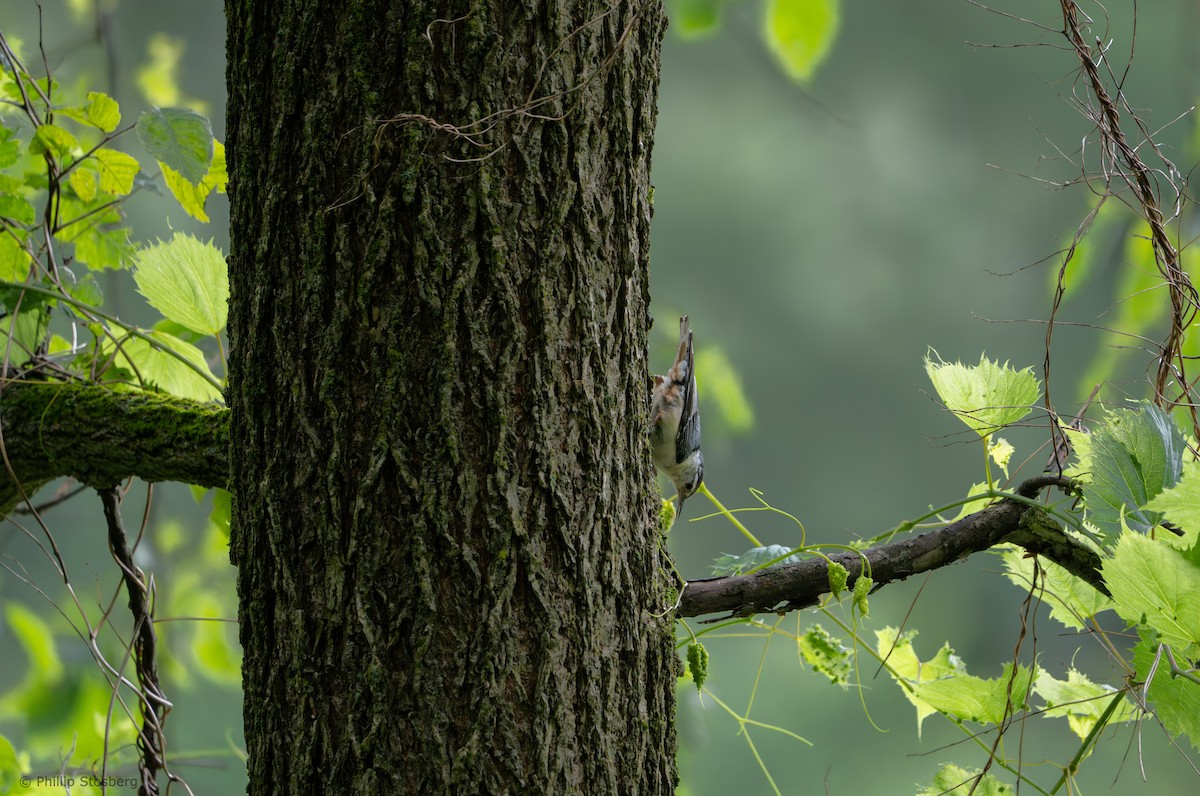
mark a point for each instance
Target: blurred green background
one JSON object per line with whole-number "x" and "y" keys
{"x": 821, "y": 238}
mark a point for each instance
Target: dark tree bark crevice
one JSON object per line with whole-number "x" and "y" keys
{"x": 447, "y": 552}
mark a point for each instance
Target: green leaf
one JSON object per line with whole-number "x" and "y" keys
{"x": 100, "y": 250}
{"x": 800, "y": 33}
{"x": 1181, "y": 505}
{"x": 101, "y": 111}
{"x": 10, "y": 146}
{"x": 192, "y": 198}
{"x": 905, "y": 667}
{"x": 984, "y": 701}
{"x": 1072, "y": 600}
{"x": 15, "y": 208}
{"x": 179, "y": 138}
{"x": 179, "y": 330}
{"x": 753, "y": 558}
{"x": 14, "y": 262}
{"x": 1080, "y": 701}
{"x": 117, "y": 170}
{"x": 1127, "y": 461}
{"x": 55, "y": 140}
{"x": 28, "y": 329}
{"x": 694, "y": 19}
{"x": 1176, "y": 700}
{"x": 187, "y": 281}
{"x": 82, "y": 218}
{"x": 160, "y": 369}
{"x": 84, "y": 183}
{"x": 952, "y": 780}
{"x": 1158, "y": 585}
{"x": 987, "y": 396}
{"x": 825, "y": 654}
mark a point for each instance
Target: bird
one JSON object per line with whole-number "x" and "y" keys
{"x": 675, "y": 408}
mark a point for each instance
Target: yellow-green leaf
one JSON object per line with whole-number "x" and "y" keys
{"x": 83, "y": 183}
{"x": 987, "y": 396}
{"x": 800, "y": 33}
{"x": 157, "y": 368}
{"x": 14, "y": 260}
{"x": 1159, "y": 585}
{"x": 186, "y": 280}
{"x": 54, "y": 139}
{"x": 117, "y": 170}
{"x": 101, "y": 112}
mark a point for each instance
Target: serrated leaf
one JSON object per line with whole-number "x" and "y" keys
{"x": 1175, "y": 700}
{"x": 86, "y": 291}
{"x": 187, "y": 281}
{"x": 55, "y": 140}
{"x": 10, "y": 147}
{"x": 951, "y": 780}
{"x": 79, "y": 217}
{"x": 14, "y": 260}
{"x": 15, "y": 208}
{"x": 117, "y": 171}
{"x": 1072, "y": 600}
{"x": 110, "y": 249}
{"x": 1181, "y": 505}
{"x": 987, "y": 396}
{"x": 101, "y": 111}
{"x": 1128, "y": 460}
{"x": 904, "y": 665}
{"x": 27, "y": 328}
{"x": 969, "y": 698}
{"x": 800, "y": 33}
{"x": 1158, "y": 585}
{"x": 1080, "y": 701}
{"x": 159, "y": 369}
{"x": 179, "y": 138}
{"x": 825, "y": 654}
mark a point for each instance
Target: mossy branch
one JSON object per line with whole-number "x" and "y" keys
{"x": 100, "y": 436}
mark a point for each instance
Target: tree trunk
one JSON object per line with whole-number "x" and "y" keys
{"x": 444, "y": 524}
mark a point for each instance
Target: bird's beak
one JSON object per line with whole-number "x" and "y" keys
{"x": 679, "y": 509}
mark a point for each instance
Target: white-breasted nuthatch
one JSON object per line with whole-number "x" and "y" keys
{"x": 675, "y": 441}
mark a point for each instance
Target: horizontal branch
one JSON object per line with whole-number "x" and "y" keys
{"x": 101, "y": 436}
{"x": 789, "y": 587}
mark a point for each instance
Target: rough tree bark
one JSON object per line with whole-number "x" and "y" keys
{"x": 447, "y": 557}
